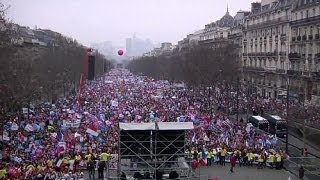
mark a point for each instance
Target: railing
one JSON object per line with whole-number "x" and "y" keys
{"x": 298, "y": 38}
{"x": 283, "y": 53}
{"x": 314, "y": 18}
{"x": 294, "y": 72}
{"x": 304, "y": 37}
{"x": 281, "y": 71}
{"x": 269, "y": 22}
{"x": 249, "y": 68}
{"x": 294, "y": 55}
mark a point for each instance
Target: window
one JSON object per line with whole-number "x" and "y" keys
{"x": 307, "y": 14}
{"x": 313, "y": 12}
{"x": 282, "y": 64}
{"x": 301, "y": 15}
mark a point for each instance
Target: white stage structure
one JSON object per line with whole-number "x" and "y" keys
{"x": 158, "y": 147}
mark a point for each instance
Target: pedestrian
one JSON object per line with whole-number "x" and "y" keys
{"x": 91, "y": 169}
{"x": 223, "y": 157}
{"x": 209, "y": 158}
{"x": 123, "y": 176}
{"x": 301, "y": 172}
{"x": 101, "y": 166}
{"x": 233, "y": 161}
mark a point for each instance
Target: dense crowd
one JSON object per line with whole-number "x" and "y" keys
{"x": 52, "y": 141}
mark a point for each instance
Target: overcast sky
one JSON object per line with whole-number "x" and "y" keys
{"x": 114, "y": 20}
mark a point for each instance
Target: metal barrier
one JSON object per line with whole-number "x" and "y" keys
{"x": 311, "y": 166}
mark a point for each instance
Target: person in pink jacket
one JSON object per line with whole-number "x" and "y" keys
{"x": 233, "y": 160}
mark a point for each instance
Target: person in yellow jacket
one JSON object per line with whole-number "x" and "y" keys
{"x": 88, "y": 157}
{"x": 278, "y": 161}
{"x": 223, "y": 153}
{"x": 261, "y": 160}
{"x": 271, "y": 160}
{"x": 104, "y": 156}
{"x": 209, "y": 157}
{"x": 3, "y": 173}
{"x": 50, "y": 163}
{"x": 251, "y": 158}
{"x": 77, "y": 160}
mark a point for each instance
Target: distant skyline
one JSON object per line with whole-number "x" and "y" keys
{"x": 115, "y": 20}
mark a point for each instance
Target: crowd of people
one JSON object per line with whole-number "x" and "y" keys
{"x": 60, "y": 140}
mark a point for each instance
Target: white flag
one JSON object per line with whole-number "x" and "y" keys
{"x": 92, "y": 132}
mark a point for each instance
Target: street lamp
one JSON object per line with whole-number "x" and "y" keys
{"x": 287, "y": 114}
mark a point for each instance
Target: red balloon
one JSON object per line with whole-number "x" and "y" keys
{"x": 120, "y": 52}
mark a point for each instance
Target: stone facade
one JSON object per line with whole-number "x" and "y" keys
{"x": 304, "y": 50}
{"x": 265, "y": 46}
{"x": 280, "y": 45}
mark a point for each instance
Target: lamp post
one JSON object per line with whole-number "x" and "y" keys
{"x": 287, "y": 115}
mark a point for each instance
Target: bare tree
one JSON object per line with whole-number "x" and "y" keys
{"x": 196, "y": 67}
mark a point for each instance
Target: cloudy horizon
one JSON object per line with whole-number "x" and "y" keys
{"x": 114, "y": 20}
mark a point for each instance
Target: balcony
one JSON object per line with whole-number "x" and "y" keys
{"x": 271, "y": 69}
{"x": 281, "y": 71}
{"x": 304, "y": 37}
{"x": 294, "y": 73}
{"x": 315, "y": 75}
{"x": 310, "y": 37}
{"x": 253, "y": 69}
{"x": 306, "y": 73}
{"x": 270, "y": 38}
{"x": 271, "y": 53}
{"x": 283, "y": 53}
{"x": 268, "y": 22}
{"x": 298, "y": 38}
{"x": 294, "y": 56}
{"x": 293, "y": 39}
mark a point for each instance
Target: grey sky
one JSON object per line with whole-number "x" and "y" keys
{"x": 101, "y": 20}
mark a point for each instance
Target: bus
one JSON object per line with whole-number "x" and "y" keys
{"x": 259, "y": 123}
{"x": 277, "y": 125}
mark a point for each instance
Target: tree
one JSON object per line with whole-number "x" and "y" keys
{"x": 200, "y": 66}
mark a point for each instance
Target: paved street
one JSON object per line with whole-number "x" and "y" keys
{"x": 243, "y": 173}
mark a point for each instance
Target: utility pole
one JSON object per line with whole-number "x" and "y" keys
{"x": 248, "y": 100}
{"x": 287, "y": 114}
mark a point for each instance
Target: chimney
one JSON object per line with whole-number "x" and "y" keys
{"x": 255, "y": 7}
